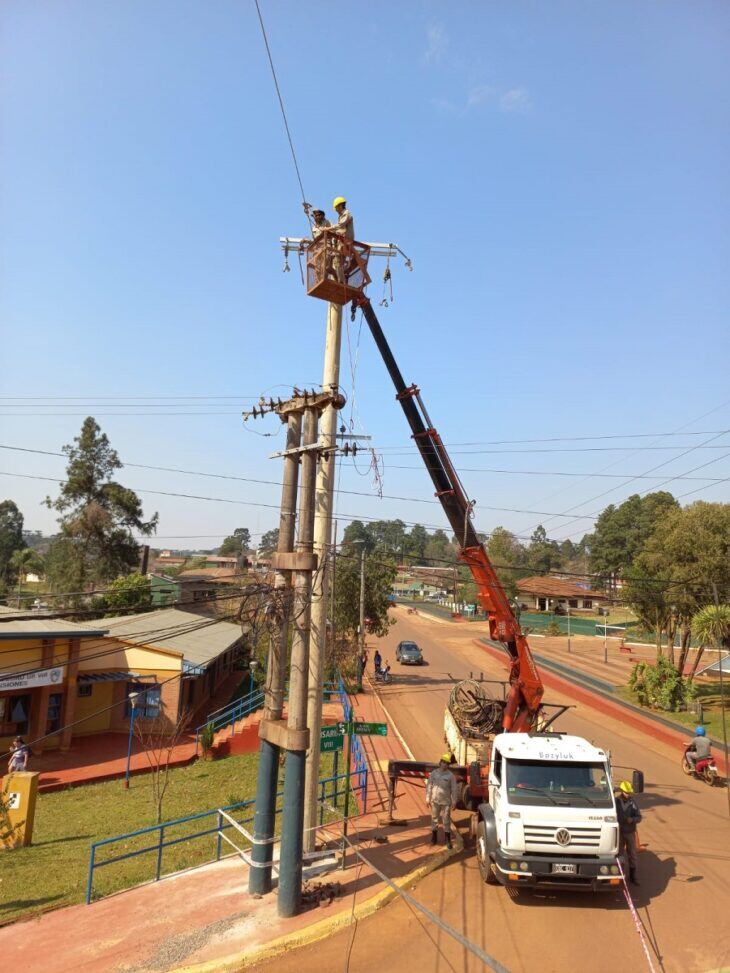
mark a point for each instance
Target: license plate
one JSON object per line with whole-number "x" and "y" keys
{"x": 564, "y": 869}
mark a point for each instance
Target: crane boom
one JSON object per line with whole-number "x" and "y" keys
{"x": 526, "y": 689}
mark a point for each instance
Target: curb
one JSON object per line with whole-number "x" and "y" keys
{"x": 325, "y": 927}
{"x": 615, "y": 708}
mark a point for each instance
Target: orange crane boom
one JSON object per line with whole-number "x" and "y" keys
{"x": 526, "y": 689}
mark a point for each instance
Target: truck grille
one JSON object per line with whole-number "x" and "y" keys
{"x": 583, "y": 838}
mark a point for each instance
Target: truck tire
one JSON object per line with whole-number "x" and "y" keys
{"x": 486, "y": 868}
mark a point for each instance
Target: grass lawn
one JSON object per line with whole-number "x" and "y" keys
{"x": 53, "y": 870}
{"x": 709, "y": 694}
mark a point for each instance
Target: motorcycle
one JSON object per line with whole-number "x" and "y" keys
{"x": 383, "y": 676}
{"x": 704, "y": 769}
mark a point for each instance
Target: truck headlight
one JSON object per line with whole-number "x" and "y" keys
{"x": 603, "y": 869}
{"x": 614, "y": 869}
{"x": 513, "y": 866}
{"x": 516, "y": 814}
{"x": 523, "y": 866}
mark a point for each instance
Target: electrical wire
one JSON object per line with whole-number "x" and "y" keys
{"x": 283, "y": 112}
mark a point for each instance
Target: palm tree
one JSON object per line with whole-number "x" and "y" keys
{"x": 26, "y": 561}
{"x": 711, "y": 626}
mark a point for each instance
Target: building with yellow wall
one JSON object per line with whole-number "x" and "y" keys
{"x": 62, "y": 679}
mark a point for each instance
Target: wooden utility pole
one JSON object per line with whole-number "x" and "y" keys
{"x": 322, "y": 548}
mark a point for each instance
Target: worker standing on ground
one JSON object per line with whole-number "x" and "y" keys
{"x": 629, "y": 816}
{"x": 441, "y": 798}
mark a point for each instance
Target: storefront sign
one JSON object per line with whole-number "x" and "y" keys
{"x": 29, "y": 680}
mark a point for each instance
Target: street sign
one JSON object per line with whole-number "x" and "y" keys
{"x": 335, "y": 730}
{"x": 370, "y": 729}
{"x": 328, "y": 744}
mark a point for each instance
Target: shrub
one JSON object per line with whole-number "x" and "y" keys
{"x": 207, "y": 737}
{"x": 553, "y": 629}
{"x": 659, "y": 686}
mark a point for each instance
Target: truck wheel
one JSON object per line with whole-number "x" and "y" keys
{"x": 486, "y": 869}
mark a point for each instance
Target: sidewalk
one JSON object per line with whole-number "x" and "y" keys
{"x": 204, "y": 919}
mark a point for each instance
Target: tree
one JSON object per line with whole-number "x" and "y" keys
{"x": 542, "y": 554}
{"x": 358, "y": 536}
{"x": 416, "y": 541}
{"x": 621, "y": 532}
{"x": 688, "y": 552}
{"x": 646, "y": 594}
{"x": 380, "y": 573}
{"x": 711, "y": 626}
{"x": 97, "y": 515}
{"x": 509, "y": 558}
{"x": 25, "y": 561}
{"x": 11, "y": 537}
{"x": 159, "y": 737}
{"x": 132, "y": 591}
{"x": 236, "y": 543}
{"x": 439, "y": 547}
{"x": 269, "y": 542}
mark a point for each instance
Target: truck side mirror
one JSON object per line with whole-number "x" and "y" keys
{"x": 637, "y": 781}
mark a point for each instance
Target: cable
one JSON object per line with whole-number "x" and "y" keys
{"x": 589, "y": 476}
{"x": 283, "y": 112}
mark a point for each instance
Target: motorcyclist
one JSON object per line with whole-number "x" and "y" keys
{"x": 699, "y": 749}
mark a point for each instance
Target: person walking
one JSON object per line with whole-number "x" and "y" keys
{"x": 19, "y": 754}
{"x": 629, "y": 815}
{"x": 441, "y": 798}
{"x": 377, "y": 661}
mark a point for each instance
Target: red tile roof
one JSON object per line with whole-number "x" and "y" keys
{"x": 549, "y": 587}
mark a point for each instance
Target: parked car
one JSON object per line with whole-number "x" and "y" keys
{"x": 408, "y": 654}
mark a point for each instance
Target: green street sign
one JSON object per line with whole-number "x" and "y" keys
{"x": 336, "y": 730}
{"x": 330, "y": 743}
{"x": 370, "y": 729}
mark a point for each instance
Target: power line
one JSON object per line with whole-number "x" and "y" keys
{"x": 606, "y": 476}
{"x": 283, "y": 110}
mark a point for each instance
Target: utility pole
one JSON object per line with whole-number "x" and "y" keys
{"x": 298, "y": 734}
{"x": 259, "y": 882}
{"x": 322, "y": 545}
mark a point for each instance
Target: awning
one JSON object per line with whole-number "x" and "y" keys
{"x": 190, "y": 669}
{"x": 109, "y": 676}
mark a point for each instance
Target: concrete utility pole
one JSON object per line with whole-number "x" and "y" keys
{"x": 259, "y": 882}
{"x": 298, "y": 736}
{"x": 322, "y": 547}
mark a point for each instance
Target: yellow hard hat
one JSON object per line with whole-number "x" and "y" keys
{"x": 626, "y": 787}
{"x": 338, "y": 201}
{"x": 446, "y": 757}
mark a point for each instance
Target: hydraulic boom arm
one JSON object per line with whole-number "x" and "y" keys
{"x": 526, "y": 687}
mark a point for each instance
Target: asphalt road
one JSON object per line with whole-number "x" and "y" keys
{"x": 683, "y": 901}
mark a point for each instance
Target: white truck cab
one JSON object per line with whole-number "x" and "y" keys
{"x": 550, "y": 819}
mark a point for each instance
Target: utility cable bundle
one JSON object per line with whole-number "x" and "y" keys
{"x": 476, "y": 712}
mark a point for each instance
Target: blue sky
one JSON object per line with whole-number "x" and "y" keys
{"x": 557, "y": 172}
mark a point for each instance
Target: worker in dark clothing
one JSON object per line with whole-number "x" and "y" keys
{"x": 629, "y": 815}
{"x": 699, "y": 748}
{"x": 320, "y": 223}
{"x": 377, "y": 660}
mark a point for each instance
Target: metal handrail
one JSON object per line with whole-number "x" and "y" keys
{"x": 326, "y": 794}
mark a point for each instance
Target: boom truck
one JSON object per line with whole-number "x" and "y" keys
{"x": 543, "y": 810}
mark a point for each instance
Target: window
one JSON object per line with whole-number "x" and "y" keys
{"x": 573, "y": 602}
{"x": 84, "y": 689}
{"x": 17, "y": 711}
{"x": 53, "y": 718}
{"x": 497, "y": 765}
{"x": 568, "y": 784}
{"x": 147, "y": 704}
{"x": 587, "y": 603}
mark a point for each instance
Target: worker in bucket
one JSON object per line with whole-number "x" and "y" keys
{"x": 441, "y": 797}
{"x": 629, "y": 815}
{"x": 345, "y": 225}
{"x": 320, "y": 223}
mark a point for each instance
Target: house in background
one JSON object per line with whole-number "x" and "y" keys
{"x": 545, "y": 593}
{"x": 194, "y": 587}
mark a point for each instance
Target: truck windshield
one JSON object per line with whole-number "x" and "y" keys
{"x": 569, "y": 784}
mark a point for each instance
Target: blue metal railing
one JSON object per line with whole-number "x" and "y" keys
{"x": 230, "y": 714}
{"x": 212, "y": 823}
{"x": 360, "y": 766}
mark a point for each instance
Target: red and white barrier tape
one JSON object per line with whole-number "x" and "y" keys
{"x": 635, "y": 916}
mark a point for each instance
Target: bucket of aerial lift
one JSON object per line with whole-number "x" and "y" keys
{"x": 337, "y": 269}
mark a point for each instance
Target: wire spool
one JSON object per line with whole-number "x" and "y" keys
{"x": 476, "y": 713}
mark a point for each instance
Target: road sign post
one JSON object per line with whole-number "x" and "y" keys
{"x": 348, "y": 763}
